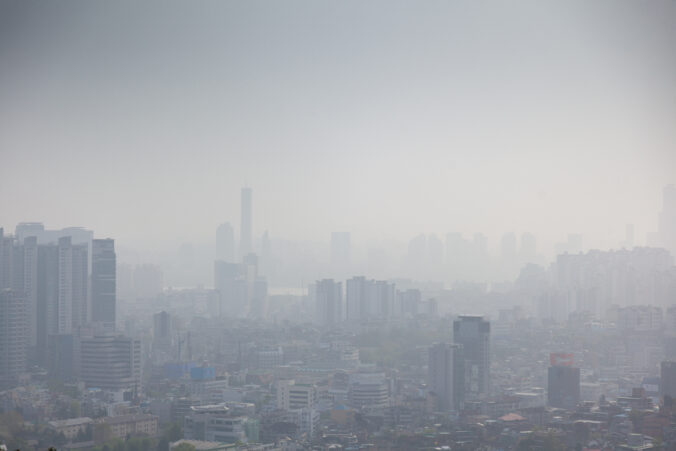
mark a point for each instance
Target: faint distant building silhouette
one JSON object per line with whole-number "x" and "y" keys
{"x": 367, "y": 300}
{"x": 246, "y": 226}
{"x": 667, "y": 219}
{"x": 340, "y": 253}
{"x": 628, "y": 236}
{"x": 230, "y": 283}
{"x": 473, "y": 333}
{"x": 103, "y": 282}
{"x": 225, "y": 243}
{"x": 147, "y": 281}
{"x": 446, "y": 375}
{"x": 528, "y": 248}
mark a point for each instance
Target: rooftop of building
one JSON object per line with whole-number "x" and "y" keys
{"x": 70, "y": 422}
{"x": 132, "y": 417}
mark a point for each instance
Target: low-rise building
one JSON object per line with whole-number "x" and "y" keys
{"x": 71, "y": 427}
{"x": 122, "y": 426}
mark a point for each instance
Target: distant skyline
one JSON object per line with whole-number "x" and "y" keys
{"x": 142, "y": 121}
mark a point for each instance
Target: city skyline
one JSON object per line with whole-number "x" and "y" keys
{"x": 298, "y": 225}
{"x": 574, "y": 134}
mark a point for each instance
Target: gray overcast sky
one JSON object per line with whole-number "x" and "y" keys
{"x": 141, "y": 120}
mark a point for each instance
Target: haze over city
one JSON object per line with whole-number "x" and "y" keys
{"x": 387, "y": 119}
{"x": 320, "y": 225}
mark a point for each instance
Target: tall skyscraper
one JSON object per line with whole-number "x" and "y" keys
{"x": 563, "y": 382}
{"x": 47, "y": 299}
{"x": 73, "y": 286}
{"x": 30, "y": 286}
{"x": 13, "y": 318}
{"x": 446, "y": 375}
{"x": 246, "y": 229}
{"x": 225, "y": 243}
{"x": 103, "y": 282}
{"x": 329, "y": 298}
{"x": 473, "y": 333}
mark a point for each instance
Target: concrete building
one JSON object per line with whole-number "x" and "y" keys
{"x": 292, "y": 395}
{"x": 12, "y": 337}
{"x": 563, "y": 386}
{"x": 71, "y": 427}
{"x": 103, "y": 282}
{"x": 214, "y": 423}
{"x": 111, "y": 362}
{"x": 122, "y": 426}
{"x": 473, "y": 333}
{"x": 446, "y": 373}
{"x": 329, "y": 301}
{"x": 368, "y": 390}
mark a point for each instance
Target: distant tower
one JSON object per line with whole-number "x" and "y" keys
{"x": 225, "y": 243}
{"x": 245, "y": 238}
{"x": 473, "y": 333}
{"x": 103, "y": 282}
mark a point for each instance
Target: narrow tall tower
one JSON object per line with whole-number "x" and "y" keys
{"x": 245, "y": 242}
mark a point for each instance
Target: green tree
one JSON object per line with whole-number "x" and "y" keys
{"x": 184, "y": 447}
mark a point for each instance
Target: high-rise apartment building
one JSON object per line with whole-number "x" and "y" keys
{"x": 369, "y": 300}
{"x": 73, "y": 286}
{"x": 329, "y": 301}
{"x": 12, "y": 336}
{"x": 446, "y": 375}
{"x": 473, "y": 333}
{"x": 103, "y": 282}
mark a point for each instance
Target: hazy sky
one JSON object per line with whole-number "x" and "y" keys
{"x": 141, "y": 120}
